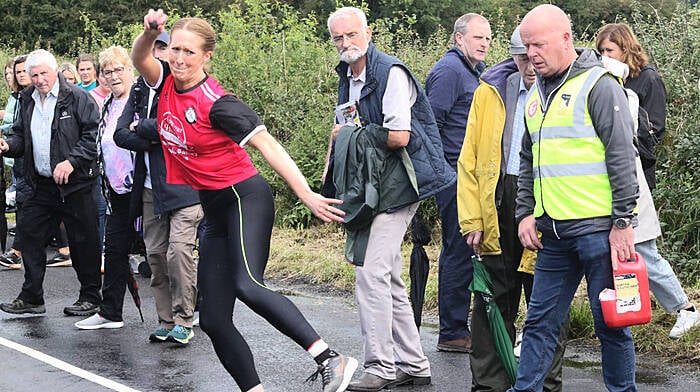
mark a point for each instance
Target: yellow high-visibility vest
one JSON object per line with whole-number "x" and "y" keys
{"x": 568, "y": 158}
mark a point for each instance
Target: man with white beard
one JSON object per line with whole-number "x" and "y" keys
{"x": 378, "y": 93}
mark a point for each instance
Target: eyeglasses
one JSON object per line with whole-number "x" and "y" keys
{"x": 339, "y": 39}
{"x": 116, "y": 72}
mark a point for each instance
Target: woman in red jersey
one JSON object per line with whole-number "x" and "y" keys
{"x": 203, "y": 131}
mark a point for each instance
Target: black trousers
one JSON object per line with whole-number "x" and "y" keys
{"x": 232, "y": 260}
{"x": 488, "y": 373}
{"x": 119, "y": 236}
{"x": 40, "y": 214}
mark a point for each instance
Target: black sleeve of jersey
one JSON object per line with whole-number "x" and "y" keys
{"x": 234, "y": 117}
{"x": 166, "y": 72}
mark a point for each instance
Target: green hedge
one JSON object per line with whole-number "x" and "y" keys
{"x": 272, "y": 57}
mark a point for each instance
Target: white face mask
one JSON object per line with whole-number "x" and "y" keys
{"x": 617, "y": 68}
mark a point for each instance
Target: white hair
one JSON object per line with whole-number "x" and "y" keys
{"x": 40, "y": 57}
{"x": 344, "y": 13}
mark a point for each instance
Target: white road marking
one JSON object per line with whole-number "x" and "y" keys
{"x": 66, "y": 367}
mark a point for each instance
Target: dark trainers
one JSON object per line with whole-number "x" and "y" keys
{"x": 463, "y": 345}
{"x": 159, "y": 335}
{"x": 335, "y": 372}
{"x": 18, "y": 306}
{"x": 81, "y": 308}
{"x": 11, "y": 260}
{"x": 180, "y": 335}
{"x": 59, "y": 260}
{"x": 403, "y": 378}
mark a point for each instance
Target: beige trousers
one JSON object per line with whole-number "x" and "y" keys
{"x": 170, "y": 240}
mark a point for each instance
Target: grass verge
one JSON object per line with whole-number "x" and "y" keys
{"x": 315, "y": 256}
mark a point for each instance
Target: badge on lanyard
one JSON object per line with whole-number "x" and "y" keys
{"x": 190, "y": 115}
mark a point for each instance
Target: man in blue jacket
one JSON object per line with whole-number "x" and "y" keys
{"x": 450, "y": 88}
{"x": 384, "y": 93}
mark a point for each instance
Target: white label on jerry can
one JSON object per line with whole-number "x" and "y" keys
{"x": 627, "y": 289}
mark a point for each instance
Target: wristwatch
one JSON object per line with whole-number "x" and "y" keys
{"x": 622, "y": 223}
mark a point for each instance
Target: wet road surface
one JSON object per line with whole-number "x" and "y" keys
{"x": 123, "y": 359}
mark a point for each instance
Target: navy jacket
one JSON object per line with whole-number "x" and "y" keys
{"x": 166, "y": 197}
{"x": 450, "y": 88}
{"x": 433, "y": 173}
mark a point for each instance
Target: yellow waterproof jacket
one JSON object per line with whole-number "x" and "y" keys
{"x": 479, "y": 163}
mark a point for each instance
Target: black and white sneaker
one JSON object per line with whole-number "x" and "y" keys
{"x": 59, "y": 260}
{"x": 81, "y": 308}
{"x": 335, "y": 372}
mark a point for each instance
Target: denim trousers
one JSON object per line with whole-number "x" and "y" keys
{"x": 455, "y": 271}
{"x": 560, "y": 266}
{"x": 662, "y": 280}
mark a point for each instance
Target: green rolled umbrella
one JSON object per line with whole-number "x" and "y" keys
{"x": 482, "y": 286}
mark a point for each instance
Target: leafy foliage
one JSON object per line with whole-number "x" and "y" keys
{"x": 674, "y": 46}
{"x": 276, "y": 56}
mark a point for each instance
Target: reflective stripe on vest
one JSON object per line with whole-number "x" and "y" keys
{"x": 569, "y": 170}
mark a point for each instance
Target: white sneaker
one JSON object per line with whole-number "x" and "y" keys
{"x": 686, "y": 320}
{"x": 518, "y": 342}
{"x": 98, "y": 322}
{"x": 134, "y": 264}
{"x": 195, "y": 323}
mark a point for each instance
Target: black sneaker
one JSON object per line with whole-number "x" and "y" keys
{"x": 11, "y": 260}
{"x": 59, "y": 260}
{"x": 18, "y": 306}
{"x": 81, "y": 308}
{"x": 335, "y": 372}
{"x": 12, "y": 231}
{"x": 145, "y": 269}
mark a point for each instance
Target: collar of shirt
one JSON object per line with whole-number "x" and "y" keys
{"x": 53, "y": 93}
{"x": 356, "y": 84}
{"x": 480, "y": 67}
{"x": 360, "y": 78}
{"x": 522, "y": 86}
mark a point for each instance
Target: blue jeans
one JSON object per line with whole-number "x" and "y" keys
{"x": 662, "y": 280}
{"x": 455, "y": 271}
{"x": 560, "y": 266}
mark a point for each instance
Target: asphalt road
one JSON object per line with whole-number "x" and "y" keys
{"x": 47, "y": 353}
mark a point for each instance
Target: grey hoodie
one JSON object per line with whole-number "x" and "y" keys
{"x": 608, "y": 108}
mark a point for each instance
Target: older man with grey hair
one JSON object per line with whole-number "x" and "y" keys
{"x": 395, "y": 115}
{"x": 56, "y": 133}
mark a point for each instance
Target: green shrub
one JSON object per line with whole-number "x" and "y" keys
{"x": 674, "y": 46}
{"x": 270, "y": 57}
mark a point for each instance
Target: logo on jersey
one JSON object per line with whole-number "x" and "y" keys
{"x": 173, "y": 135}
{"x": 190, "y": 115}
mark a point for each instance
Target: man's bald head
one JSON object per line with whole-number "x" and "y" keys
{"x": 546, "y": 33}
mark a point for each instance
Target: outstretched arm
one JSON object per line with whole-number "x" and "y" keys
{"x": 282, "y": 163}
{"x": 145, "y": 63}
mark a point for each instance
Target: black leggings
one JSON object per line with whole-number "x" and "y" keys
{"x": 233, "y": 257}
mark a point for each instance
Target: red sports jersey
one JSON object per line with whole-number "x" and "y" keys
{"x": 197, "y": 152}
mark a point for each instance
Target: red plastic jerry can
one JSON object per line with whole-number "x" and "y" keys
{"x": 629, "y": 303}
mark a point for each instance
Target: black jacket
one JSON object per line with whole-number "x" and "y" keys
{"x": 651, "y": 91}
{"x": 145, "y": 138}
{"x": 73, "y": 136}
